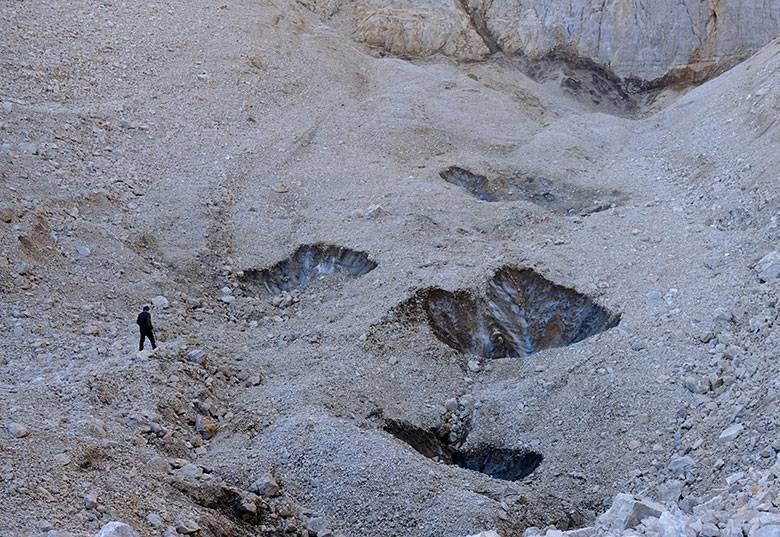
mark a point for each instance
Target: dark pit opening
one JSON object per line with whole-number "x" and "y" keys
{"x": 307, "y": 263}
{"x": 477, "y": 185}
{"x": 499, "y": 463}
{"x": 555, "y": 196}
{"x": 522, "y": 313}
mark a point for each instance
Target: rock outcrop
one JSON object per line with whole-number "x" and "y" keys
{"x": 662, "y": 42}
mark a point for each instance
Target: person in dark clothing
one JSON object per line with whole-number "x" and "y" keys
{"x": 144, "y": 322}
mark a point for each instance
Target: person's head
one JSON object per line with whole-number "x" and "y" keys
{"x": 146, "y": 308}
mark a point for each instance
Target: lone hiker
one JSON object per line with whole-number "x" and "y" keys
{"x": 144, "y": 322}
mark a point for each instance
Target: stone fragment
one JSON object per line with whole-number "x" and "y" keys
{"x": 766, "y": 531}
{"x": 317, "y": 524}
{"x": 44, "y": 526}
{"x": 680, "y": 465}
{"x": 580, "y": 532}
{"x": 116, "y": 529}
{"x": 732, "y": 529}
{"x": 62, "y": 459}
{"x": 248, "y": 503}
{"x": 189, "y": 470}
{"x": 265, "y": 486}
{"x": 671, "y": 526}
{"x": 670, "y": 491}
{"x": 17, "y": 430}
{"x": 154, "y": 520}
{"x": 206, "y": 427}
{"x": 491, "y": 533}
{"x": 83, "y": 251}
{"x": 768, "y": 268}
{"x": 700, "y": 385}
{"x": 6, "y": 215}
{"x": 196, "y": 356}
{"x": 709, "y": 530}
{"x": 375, "y": 212}
{"x": 90, "y": 500}
{"x": 186, "y": 526}
{"x": 158, "y": 465}
{"x": 731, "y": 432}
{"x": 627, "y": 512}
{"x": 160, "y": 302}
{"x": 654, "y": 295}
{"x": 735, "y": 478}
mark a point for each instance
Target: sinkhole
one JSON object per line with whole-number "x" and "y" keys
{"x": 555, "y": 196}
{"x": 308, "y": 263}
{"x": 499, "y": 463}
{"x": 521, "y": 313}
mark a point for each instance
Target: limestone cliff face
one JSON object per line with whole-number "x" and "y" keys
{"x": 632, "y": 38}
{"x": 635, "y": 39}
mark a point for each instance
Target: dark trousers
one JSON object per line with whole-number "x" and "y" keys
{"x": 145, "y": 335}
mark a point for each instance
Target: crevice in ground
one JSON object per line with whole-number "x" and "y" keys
{"x": 308, "y": 263}
{"x": 556, "y": 196}
{"x": 503, "y": 463}
{"x": 479, "y": 25}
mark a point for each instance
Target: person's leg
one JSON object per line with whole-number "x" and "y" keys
{"x": 150, "y": 335}
{"x": 141, "y": 344}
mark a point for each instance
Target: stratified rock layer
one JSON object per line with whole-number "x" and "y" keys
{"x": 663, "y": 41}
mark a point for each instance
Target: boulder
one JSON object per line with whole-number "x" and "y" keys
{"x": 189, "y": 470}
{"x": 196, "y": 356}
{"x": 768, "y": 268}
{"x": 627, "y": 512}
{"x": 186, "y": 526}
{"x": 116, "y": 529}
{"x": 206, "y": 426}
{"x": 160, "y": 302}
{"x": 317, "y": 525}
{"x": 731, "y": 432}
{"x": 766, "y": 531}
{"x": 17, "y": 430}
{"x": 671, "y": 526}
{"x": 680, "y": 465}
{"x": 265, "y": 486}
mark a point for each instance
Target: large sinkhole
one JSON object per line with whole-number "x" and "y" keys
{"x": 521, "y": 313}
{"x": 499, "y": 463}
{"x": 308, "y": 263}
{"x": 555, "y": 196}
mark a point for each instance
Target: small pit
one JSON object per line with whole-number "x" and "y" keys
{"x": 307, "y": 263}
{"x": 555, "y": 196}
{"x": 498, "y": 463}
{"x": 521, "y": 313}
{"x": 477, "y": 185}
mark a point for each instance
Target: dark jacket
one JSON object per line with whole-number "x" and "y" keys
{"x": 144, "y": 321}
